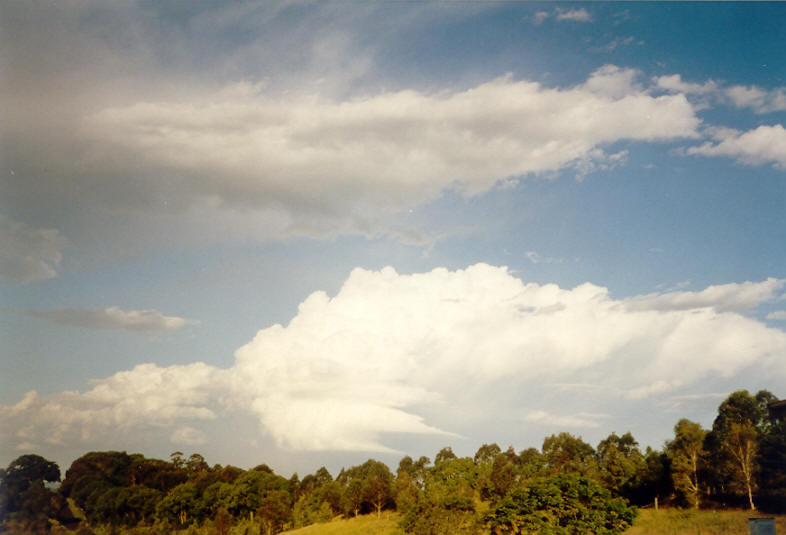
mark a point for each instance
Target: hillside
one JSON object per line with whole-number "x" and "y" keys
{"x": 648, "y": 522}
{"x": 386, "y": 524}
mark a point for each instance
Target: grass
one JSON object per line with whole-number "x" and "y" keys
{"x": 648, "y": 522}
{"x": 688, "y": 522}
{"x": 386, "y": 524}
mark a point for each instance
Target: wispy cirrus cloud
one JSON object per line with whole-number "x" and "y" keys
{"x": 112, "y": 318}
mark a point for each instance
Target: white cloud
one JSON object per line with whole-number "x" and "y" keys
{"x": 319, "y": 166}
{"x": 574, "y": 15}
{"x": 28, "y": 254}
{"x": 724, "y": 297}
{"x": 390, "y": 352}
{"x": 777, "y": 315}
{"x": 756, "y": 98}
{"x": 147, "y": 395}
{"x": 675, "y": 83}
{"x": 762, "y": 145}
{"x": 146, "y": 321}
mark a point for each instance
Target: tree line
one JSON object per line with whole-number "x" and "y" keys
{"x": 568, "y": 486}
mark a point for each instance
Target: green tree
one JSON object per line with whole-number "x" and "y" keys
{"x": 447, "y": 504}
{"x": 564, "y": 504}
{"x": 736, "y": 436}
{"x": 565, "y": 454}
{"x": 687, "y": 460}
{"x": 276, "y": 510}
{"x": 179, "y": 505}
{"x": 620, "y": 463}
{"x": 24, "y": 498}
{"x": 377, "y": 484}
{"x": 445, "y": 454}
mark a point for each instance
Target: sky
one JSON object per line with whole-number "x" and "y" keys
{"x": 313, "y": 233}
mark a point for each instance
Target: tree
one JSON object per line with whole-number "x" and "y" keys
{"x": 23, "y": 496}
{"x": 447, "y": 504}
{"x": 275, "y": 511}
{"x": 179, "y": 505}
{"x": 564, "y": 504}
{"x": 620, "y": 462}
{"x": 486, "y": 454}
{"x": 687, "y": 460}
{"x": 445, "y": 454}
{"x": 565, "y": 454}
{"x": 377, "y": 484}
{"x": 654, "y": 482}
{"x": 251, "y": 490}
{"x": 736, "y": 435}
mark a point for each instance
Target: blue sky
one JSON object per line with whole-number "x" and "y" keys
{"x": 312, "y": 233}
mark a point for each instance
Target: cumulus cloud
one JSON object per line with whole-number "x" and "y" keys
{"x": 28, "y": 254}
{"x": 758, "y": 99}
{"x": 762, "y": 145}
{"x": 389, "y": 352}
{"x": 146, "y": 395}
{"x": 143, "y": 321}
{"x": 723, "y": 297}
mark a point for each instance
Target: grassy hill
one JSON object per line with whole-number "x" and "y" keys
{"x": 386, "y": 524}
{"x": 688, "y": 522}
{"x": 649, "y": 522}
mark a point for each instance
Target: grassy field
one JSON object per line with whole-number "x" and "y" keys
{"x": 687, "y": 522}
{"x": 386, "y": 524}
{"x": 649, "y": 522}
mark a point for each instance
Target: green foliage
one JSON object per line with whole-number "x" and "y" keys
{"x": 688, "y": 461}
{"x": 560, "y": 505}
{"x": 566, "y": 454}
{"x": 25, "y": 502}
{"x": 620, "y": 463}
{"x": 448, "y": 501}
{"x": 735, "y": 440}
{"x": 366, "y": 487}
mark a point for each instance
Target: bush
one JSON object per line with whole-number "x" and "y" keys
{"x": 560, "y": 505}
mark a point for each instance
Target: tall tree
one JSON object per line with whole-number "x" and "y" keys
{"x": 620, "y": 462}
{"x": 736, "y": 435}
{"x": 377, "y": 484}
{"x": 687, "y": 460}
